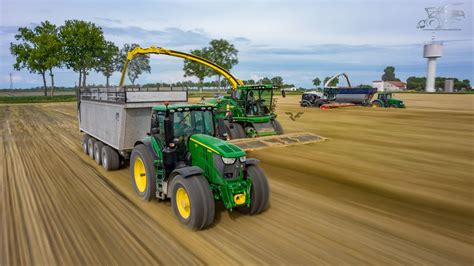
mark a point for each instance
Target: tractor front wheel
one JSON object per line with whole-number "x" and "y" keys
{"x": 192, "y": 201}
{"x": 393, "y": 106}
{"x": 259, "y": 193}
{"x": 142, "y": 173}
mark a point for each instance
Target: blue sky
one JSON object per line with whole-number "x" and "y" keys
{"x": 298, "y": 40}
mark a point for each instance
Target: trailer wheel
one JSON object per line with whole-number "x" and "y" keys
{"x": 236, "y": 131}
{"x": 259, "y": 193}
{"x": 305, "y": 104}
{"x": 277, "y": 126}
{"x": 192, "y": 201}
{"x": 142, "y": 173}
{"x": 90, "y": 146}
{"x": 110, "y": 158}
{"x": 85, "y": 143}
{"x": 318, "y": 103}
{"x": 98, "y": 151}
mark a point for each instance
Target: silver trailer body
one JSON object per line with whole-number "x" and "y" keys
{"x": 121, "y": 118}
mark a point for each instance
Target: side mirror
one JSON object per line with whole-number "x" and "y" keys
{"x": 155, "y": 130}
{"x": 283, "y": 93}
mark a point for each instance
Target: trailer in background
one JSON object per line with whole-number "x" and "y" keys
{"x": 338, "y": 97}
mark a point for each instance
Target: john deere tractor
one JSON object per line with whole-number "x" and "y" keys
{"x": 182, "y": 159}
{"x": 385, "y": 99}
{"x": 247, "y": 112}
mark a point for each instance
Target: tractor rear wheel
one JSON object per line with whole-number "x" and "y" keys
{"x": 259, "y": 193}
{"x": 90, "y": 146}
{"x": 376, "y": 104}
{"x": 235, "y": 131}
{"x": 85, "y": 143}
{"x": 192, "y": 201}
{"x": 110, "y": 158}
{"x": 142, "y": 173}
{"x": 277, "y": 126}
{"x": 98, "y": 151}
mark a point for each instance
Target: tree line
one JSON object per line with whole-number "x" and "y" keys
{"x": 81, "y": 46}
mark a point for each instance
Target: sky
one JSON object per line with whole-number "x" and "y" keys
{"x": 297, "y": 40}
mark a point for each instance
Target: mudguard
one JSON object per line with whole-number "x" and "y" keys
{"x": 187, "y": 171}
{"x": 252, "y": 161}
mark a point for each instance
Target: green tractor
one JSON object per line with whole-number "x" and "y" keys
{"x": 248, "y": 112}
{"x": 385, "y": 99}
{"x": 182, "y": 159}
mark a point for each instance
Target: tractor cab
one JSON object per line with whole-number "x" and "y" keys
{"x": 256, "y": 100}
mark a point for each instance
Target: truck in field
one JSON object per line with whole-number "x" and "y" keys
{"x": 173, "y": 150}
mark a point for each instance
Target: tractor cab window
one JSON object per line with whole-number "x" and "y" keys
{"x": 259, "y": 102}
{"x": 188, "y": 123}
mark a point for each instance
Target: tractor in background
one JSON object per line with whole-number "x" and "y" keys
{"x": 385, "y": 99}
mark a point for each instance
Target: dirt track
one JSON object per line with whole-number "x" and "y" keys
{"x": 389, "y": 187}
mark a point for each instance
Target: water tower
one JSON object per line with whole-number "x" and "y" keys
{"x": 432, "y": 51}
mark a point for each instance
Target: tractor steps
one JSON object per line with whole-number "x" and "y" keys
{"x": 251, "y": 144}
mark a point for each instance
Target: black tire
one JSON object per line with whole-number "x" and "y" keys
{"x": 148, "y": 190}
{"x": 90, "y": 146}
{"x": 110, "y": 158}
{"x": 318, "y": 103}
{"x": 85, "y": 144}
{"x": 260, "y": 191}
{"x": 277, "y": 126}
{"x": 236, "y": 131}
{"x": 201, "y": 201}
{"x": 98, "y": 151}
{"x": 393, "y": 106}
{"x": 305, "y": 104}
{"x": 376, "y": 104}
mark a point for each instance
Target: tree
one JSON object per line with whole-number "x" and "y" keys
{"x": 249, "y": 82}
{"x": 333, "y": 83}
{"x": 83, "y": 44}
{"x": 198, "y": 70}
{"x": 223, "y": 54}
{"x": 137, "y": 66}
{"x": 416, "y": 83}
{"x": 389, "y": 74}
{"x": 265, "y": 80}
{"x": 109, "y": 61}
{"x": 39, "y": 51}
{"x": 277, "y": 81}
{"x": 316, "y": 82}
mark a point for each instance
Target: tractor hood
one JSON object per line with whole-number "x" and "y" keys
{"x": 216, "y": 145}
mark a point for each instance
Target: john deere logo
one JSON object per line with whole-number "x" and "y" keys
{"x": 441, "y": 18}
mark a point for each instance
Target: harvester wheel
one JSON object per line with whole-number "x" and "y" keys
{"x": 260, "y": 192}
{"x": 142, "y": 172}
{"x": 85, "y": 143}
{"x": 192, "y": 201}
{"x": 110, "y": 158}
{"x": 98, "y": 151}
{"x": 277, "y": 126}
{"x": 236, "y": 131}
{"x": 90, "y": 146}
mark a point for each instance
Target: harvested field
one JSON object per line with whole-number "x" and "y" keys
{"x": 389, "y": 187}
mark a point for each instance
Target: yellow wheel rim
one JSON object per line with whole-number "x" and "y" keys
{"x": 139, "y": 174}
{"x": 183, "y": 203}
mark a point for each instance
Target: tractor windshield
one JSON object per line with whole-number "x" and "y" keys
{"x": 187, "y": 123}
{"x": 258, "y": 102}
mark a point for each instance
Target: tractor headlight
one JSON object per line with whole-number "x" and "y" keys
{"x": 242, "y": 159}
{"x": 228, "y": 160}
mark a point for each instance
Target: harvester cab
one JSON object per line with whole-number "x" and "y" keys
{"x": 385, "y": 99}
